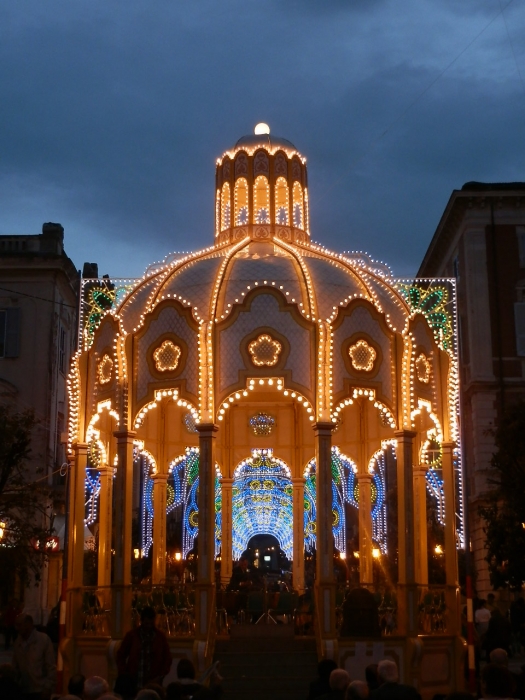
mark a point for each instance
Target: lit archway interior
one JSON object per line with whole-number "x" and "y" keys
{"x": 262, "y": 502}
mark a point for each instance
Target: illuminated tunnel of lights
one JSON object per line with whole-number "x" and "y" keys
{"x": 262, "y": 502}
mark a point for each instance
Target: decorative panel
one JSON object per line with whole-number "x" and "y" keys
{"x": 264, "y": 312}
{"x": 332, "y": 284}
{"x": 168, "y": 321}
{"x": 264, "y": 270}
{"x": 195, "y": 283}
{"x": 362, "y": 321}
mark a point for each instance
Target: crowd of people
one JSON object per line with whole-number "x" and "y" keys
{"x": 144, "y": 660}
{"x": 382, "y": 683}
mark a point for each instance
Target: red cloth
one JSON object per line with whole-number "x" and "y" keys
{"x": 128, "y": 655}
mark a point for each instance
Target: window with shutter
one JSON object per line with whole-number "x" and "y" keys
{"x": 2, "y": 331}
{"x": 10, "y": 332}
{"x": 520, "y": 233}
{"x": 519, "y": 320}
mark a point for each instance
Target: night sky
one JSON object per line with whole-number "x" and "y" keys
{"x": 113, "y": 113}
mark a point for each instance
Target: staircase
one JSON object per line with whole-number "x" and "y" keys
{"x": 266, "y": 662}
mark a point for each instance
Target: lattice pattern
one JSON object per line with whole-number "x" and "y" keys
{"x": 167, "y": 356}
{"x": 332, "y": 284}
{"x": 363, "y": 356}
{"x": 264, "y": 312}
{"x": 135, "y": 304}
{"x": 168, "y": 321}
{"x": 195, "y": 283}
{"x": 362, "y": 321}
{"x": 273, "y": 268}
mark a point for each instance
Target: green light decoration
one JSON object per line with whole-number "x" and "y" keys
{"x": 432, "y": 303}
{"x": 100, "y": 298}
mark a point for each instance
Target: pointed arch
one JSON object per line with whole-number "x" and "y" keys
{"x": 282, "y": 202}
{"x": 240, "y": 196}
{"x": 261, "y": 200}
{"x": 225, "y": 207}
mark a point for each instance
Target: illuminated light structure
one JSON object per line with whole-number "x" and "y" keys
{"x": 265, "y": 386}
{"x": 262, "y": 501}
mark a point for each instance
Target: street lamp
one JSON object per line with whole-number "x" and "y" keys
{"x": 2, "y": 529}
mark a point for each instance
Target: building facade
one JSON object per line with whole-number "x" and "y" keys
{"x": 38, "y": 329}
{"x": 480, "y": 241}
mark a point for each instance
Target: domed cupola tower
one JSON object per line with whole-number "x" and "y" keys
{"x": 261, "y": 190}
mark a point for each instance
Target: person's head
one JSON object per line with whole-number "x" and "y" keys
{"x": 387, "y": 671}
{"x": 482, "y": 603}
{"x": 147, "y": 617}
{"x": 24, "y": 625}
{"x": 496, "y": 682}
{"x": 325, "y": 668}
{"x": 76, "y": 685}
{"x": 243, "y": 563}
{"x": 161, "y": 692}
{"x": 371, "y": 674}
{"x": 185, "y": 669}
{"x": 95, "y": 687}
{"x": 339, "y": 679}
{"x": 499, "y": 657}
{"x": 491, "y": 598}
{"x": 357, "y": 690}
{"x": 147, "y": 694}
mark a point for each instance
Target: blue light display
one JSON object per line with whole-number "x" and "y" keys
{"x": 262, "y": 502}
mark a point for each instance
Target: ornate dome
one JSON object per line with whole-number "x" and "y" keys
{"x": 214, "y": 281}
{"x": 262, "y": 239}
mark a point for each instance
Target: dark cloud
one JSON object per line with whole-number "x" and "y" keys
{"x": 112, "y": 118}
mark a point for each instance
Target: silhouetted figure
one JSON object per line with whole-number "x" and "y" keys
{"x": 144, "y": 652}
{"x": 360, "y": 615}
{"x": 496, "y": 682}
{"x": 390, "y": 688}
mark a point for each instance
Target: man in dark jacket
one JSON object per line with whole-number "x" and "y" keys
{"x": 144, "y": 653}
{"x": 390, "y": 688}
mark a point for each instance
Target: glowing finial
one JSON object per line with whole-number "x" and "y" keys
{"x": 261, "y": 128}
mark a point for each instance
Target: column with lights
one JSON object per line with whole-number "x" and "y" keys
{"x": 407, "y": 624}
{"x": 451, "y": 557}
{"x": 160, "y": 491}
{"x": 420, "y": 524}
{"x": 105, "y": 527}
{"x": 205, "y": 588}
{"x": 325, "y": 584}
{"x": 76, "y": 541}
{"x": 298, "y": 534}
{"x": 366, "y": 571}
{"x": 121, "y": 603}
{"x": 226, "y": 535}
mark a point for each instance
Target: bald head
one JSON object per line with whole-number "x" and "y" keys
{"x": 387, "y": 671}
{"x": 357, "y": 690}
{"x": 499, "y": 657}
{"x": 95, "y": 687}
{"x": 339, "y": 679}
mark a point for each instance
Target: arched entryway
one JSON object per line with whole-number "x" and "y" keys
{"x": 262, "y": 502}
